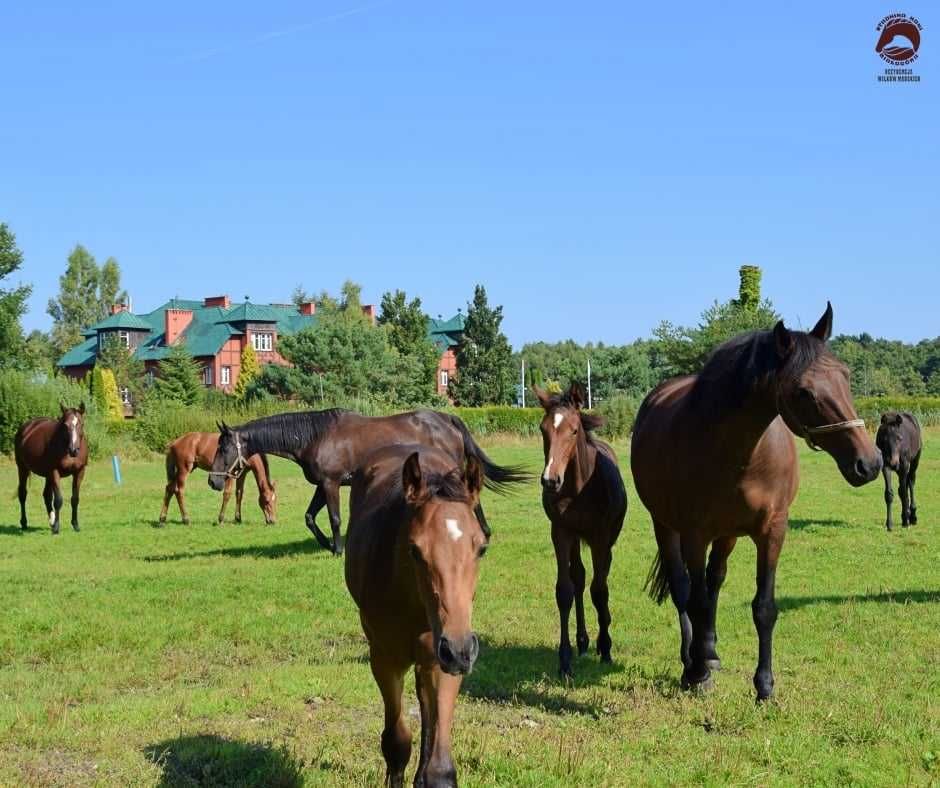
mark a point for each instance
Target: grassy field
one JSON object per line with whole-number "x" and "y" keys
{"x": 200, "y": 655}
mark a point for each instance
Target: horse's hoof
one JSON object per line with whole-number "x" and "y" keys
{"x": 605, "y": 656}
{"x": 713, "y": 663}
{"x": 24, "y": 527}
{"x": 185, "y": 521}
{"x": 75, "y": 527}
{"x": 702, "y": 683}
{"x": 584, "y": 642}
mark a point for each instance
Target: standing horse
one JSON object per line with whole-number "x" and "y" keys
{"x": 900, "y": 443}
{"x": 53, "y": 448}
{"x": 329, "y": 445}
{"x": 411, "y": 567}
{"x": 713, "y": 459}
{"x": 585, "y": 499}
{"x": 197, "y": 450}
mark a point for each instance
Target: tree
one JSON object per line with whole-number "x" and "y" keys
{"x": 104, "y": 393}
{"x": 248, "y": 371}
{"x": 407, "y": 327}
{"x": 38, "y": 352}
{"x": 484, "y": 358}
{"x": 109, "y": 288}
{"x": 128, "y": 370}
{"x": 12, "y": 301}
{"x": 301, "y": 296}
{"x": 180, "y": 377}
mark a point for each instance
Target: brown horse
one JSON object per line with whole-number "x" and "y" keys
{"x": 329, "y": 445}
{"x": 713, "y": 459}
{"x": 414, "y": 546}
{"x": 585, "y": 499}
{"x": 52, "y": 448}
{"x": 197, "y": 450}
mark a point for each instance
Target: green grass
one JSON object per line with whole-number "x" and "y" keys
{"x": 199, "y": 655}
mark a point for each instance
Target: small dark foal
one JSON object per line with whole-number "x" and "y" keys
{"x": 900, "y": 443}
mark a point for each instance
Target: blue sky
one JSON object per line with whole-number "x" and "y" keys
{"x": 599, "y": 167}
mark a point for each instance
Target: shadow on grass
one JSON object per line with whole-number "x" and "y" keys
{"x": 799, "y": 525}
{"x": 15, "y": 530}
{"x": 281, "y": 550}
{"x": 209, "y": 760}
{"x": 528, "y": 676}
{"x": 896, "y": 597}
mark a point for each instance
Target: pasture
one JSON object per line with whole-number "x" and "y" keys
{"x": 204, "y": 655}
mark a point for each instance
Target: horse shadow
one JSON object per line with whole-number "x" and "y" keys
{"x": 214, "y": 760}
{"x": 900, "y": 597}
{"x": 273, "y": 551}
{"x": 528, "y": 676}
{"x": 826, "y": 522}
{"x": 15, "y": 530}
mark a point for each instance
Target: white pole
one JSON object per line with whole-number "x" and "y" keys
{"x": 522, "y": 387}
{"x": 590, "y": 402}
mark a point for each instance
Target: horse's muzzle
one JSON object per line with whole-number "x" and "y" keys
{"x": 457, "y": 656}
{"x": 73, "y": 452}
{"x": 862, "y": 471}
{"x": 552, "y": 484}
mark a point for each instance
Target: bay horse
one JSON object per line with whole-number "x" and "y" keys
{"x": 714, "y": 459}
{"x": 900, "y": 443}
{"x": 197, "y": 450}
{"x": 53, "y": 449}
{"x": 412, "y": 562}
{"x": 584, "y": 497}
{"x": 329, "y": 445}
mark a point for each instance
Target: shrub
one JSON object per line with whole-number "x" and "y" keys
{"x": 620, "y": 412}
{"x": 25, "y": 396}
{"x": 925, "y": 409}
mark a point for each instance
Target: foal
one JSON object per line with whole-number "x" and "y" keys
{"x": 53, "y": 448}
{"x": 412, "y": 560}
{"x": 900, "y": 443}
{"x": 584, "y": 496}
{"x": 197, "y": 450}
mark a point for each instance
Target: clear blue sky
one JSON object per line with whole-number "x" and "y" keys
{"x": 598, "y": 167}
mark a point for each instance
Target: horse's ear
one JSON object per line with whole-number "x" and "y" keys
{"x": 542, "y": 396}
{"x": 783, "y": 340}
{"x": 884, "y": 418}
{"x": 81, "y": 407}
{"x": 898, "y": 419}
{"x": 473, "y": 478}
{"x": 412, "y": 480}
{"x": 222, "y": 428}
{"x": 823, "y": 329}
{"x": 576, "y": 394}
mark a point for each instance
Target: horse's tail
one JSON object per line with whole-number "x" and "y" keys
{"x": 170, "y": 465}
{"x": 497, "y": 478}
{"x": 657, "y": 581}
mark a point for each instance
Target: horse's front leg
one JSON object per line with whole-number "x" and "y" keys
{"x": 564, "y": 594}
{"x": 316, "y": 504}
{"x": 904, "y": 491}
{"x": 601, "y": 558}
{"x": 21, "y": 491}
{"x": 889, "y": 495}
{"x": 911, "y": 478}
{"x": 697, "y": 675}
{"x": 764, "y": 608}
{"x": 714, "y": 578}
{"x": 671, "y": 565}
{"x": 76, "y": 487}
{"x": 239, "y": 492}
{"x": 578, "y": 578}
{"x": 226, "y": 496}
{"x": 52, "y": 496}
{"x": 331, "y": 491}
{"x": 396, "y": 738}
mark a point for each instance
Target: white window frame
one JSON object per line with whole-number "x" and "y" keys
{"x": 225, "y": 375}
{"x": 207, "y": 374}
{"x": 125, "y": 393}
{"x": 445, "y": 378}
{"x": 262, "y": 341}
{"x": 124, "y": 337}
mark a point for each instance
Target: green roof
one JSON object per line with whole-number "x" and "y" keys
{"x": 252, "y": 313}
{"x": 446, "y": 334}
{"x": 120, "y": 320}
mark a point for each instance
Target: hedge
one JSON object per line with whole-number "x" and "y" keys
{"x": 926, "y": 409}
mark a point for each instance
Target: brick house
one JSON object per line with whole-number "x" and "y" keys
{"x": 446, "y": 336}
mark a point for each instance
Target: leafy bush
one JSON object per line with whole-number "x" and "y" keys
{"x": 25, "y": 396}
{"x": 620, "y": 413}
{"x": 926, "y": 409}
{"x": 500, "y": 418}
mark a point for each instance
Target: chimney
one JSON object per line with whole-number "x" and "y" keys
{"x": 222, "y": 301}
{"x": 115, "y": 308}
{"x": 175, "y": 323}
{"x": 307, "y": 308}
{"x": 369, "y": 311}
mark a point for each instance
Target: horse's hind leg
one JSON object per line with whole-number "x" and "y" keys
{"x": 564, "y": 594}
{"x": 911, "y": 478}
{"x": 764, "y": 608}
{"x": 179, "y": 487}
{"x": 76, "y": 487}
{"x": 396, "y": 738}
{"x": 21, "y": 491}
{"x": 601, "y": 558}
{"x": 331, "y": 491}
{"x": 226, "y": 495}
{"x": 316, "y": 504}
{"x": 672, "y": 566}
{"x": 578, "y": 577}
{"x": 714, "y": 578}
{"x": 904, "y": 491}
{"x": 889, "y": 495}
{"x": 697, "y": 674}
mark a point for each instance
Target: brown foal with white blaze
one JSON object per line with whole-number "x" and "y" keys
{"x": 412, "y": 560}
{"x": 197, "y": 450}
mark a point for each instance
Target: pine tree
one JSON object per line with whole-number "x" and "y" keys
{"x": 12, "y": 302}
{"x": 180, "y": 377}
{"x": 127, "y": 368}
{"x": 249, "y": 370}
{"x": 114, "y": 408}
{"x": 484, "y": 358}
{"x": 407, "y": 327}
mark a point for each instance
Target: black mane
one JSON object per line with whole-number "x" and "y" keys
{"x": 589, "y": 421}
{"x": 748, "y": 362}
{"x": 290, "y": 431}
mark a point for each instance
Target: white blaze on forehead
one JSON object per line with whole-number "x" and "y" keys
{"x": 453, "y": 529}
{"x": 559, "y": 418}
{"x": 548, "y": 467}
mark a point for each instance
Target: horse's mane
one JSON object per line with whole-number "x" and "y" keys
{"x": 748, "y": 362}
{"x": 589, "y": 421}
{"x": 290, "y": 431}
{"x": 447, "y": 486}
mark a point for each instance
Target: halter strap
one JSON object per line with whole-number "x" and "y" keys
{"x": 807, "y": 433}
{"x": 237, "y": 468}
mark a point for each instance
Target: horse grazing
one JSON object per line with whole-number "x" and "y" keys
{"x": 197, "y": 450}
{"x": 900, "y": 443}
{"x": 414, "y": 547}
{"x": 329, "y": 445}
{"x": 584, "y": 497}
{"x": 713, "y": 460}
{"x": 53, "y": 448}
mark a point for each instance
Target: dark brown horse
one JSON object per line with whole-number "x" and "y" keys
{"x": 713, "y": 460}
{"x": 411, "y": 567}
{"x": 329, "y": 445}
{"x": 52, "y": 448}
{"x": 197, "y": 450}
{"x": 585, "y": 499}
{"x": 900, "y": 443}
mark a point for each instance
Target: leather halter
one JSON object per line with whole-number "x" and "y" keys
{"x": 807, "y": 433}
{"x": 237, "y": 468}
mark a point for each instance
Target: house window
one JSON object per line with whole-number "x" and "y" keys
{"x": 226, "y": 376}
{"x": 124, "y": 338}
{"x": 262, "y": 340}
{"x": 445, "y": 378}
{"x": 150, "y": 376}
{"x": 207, "y": 375}
{"x": 125, "y": 395}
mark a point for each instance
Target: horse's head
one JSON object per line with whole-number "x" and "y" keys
{"x": 446, "y": 543}
{"x": 267, "y": 500}
{"x": 561, "y": 427}
{"x": 229, "y": 460}
{"x": 890, "y": 439}
{"x": 815, "y": 400}
{"x": 72, "y": 423}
